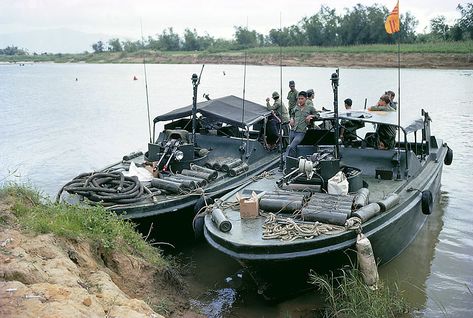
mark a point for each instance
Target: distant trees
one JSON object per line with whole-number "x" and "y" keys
{"x": 132, "y": 46}
{"x": 462, "y": 29}
{"x": 98, "y": 47}
{"x": 439, "y": 28}
{"x": 114, "y": 45}
{"x": 287, "y": 36}
{"x": 168, "y": 40}
{"x": 194, "y": 42}
{"x": 357, "y": 25}
{"x": 13, "y": 50}
{"x": 244, "y": 38}
{"x": 465, "y": 23}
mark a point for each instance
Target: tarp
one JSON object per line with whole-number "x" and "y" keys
{"x": 228, "y": 109}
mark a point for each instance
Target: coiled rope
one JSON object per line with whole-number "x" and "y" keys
{"x": 288, "y": 229}
{"x": 108, "y": 188}
{"x": 264, "y": 174}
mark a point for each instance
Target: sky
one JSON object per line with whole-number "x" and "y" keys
{"x": 121, "y": 18}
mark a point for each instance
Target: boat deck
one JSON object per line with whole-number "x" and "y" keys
{"x": 250, "y": 231}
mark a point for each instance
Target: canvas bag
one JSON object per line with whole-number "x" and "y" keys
{"x": 338, "y": 184}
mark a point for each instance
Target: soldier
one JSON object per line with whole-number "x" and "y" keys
{"x": 278, "y": 107}
{"x": 300, "y": 118}
{"x": 292, "y": 96}
{"x": 279, "y": 110}
{"x": 310, "y": 97}
{"x": 385, "y": 134}
{"x": 391, "y": 95}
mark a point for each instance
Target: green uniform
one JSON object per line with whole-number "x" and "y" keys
{"x": 280, "y": 109}
{"x": 309, "y": 102}
{"x": 292, "y": 98}
{"x": 349, "y": 128}
{"x": 386, "y": 133}
{"x": 385, "y": 108}
{"x": 300, "y": 114}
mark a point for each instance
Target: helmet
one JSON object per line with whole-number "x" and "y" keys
{"x": 275, "y": 94}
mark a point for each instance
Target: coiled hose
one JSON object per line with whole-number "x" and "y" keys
{"x": 107, "y": 188}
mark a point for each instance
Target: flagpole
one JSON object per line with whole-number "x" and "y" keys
{"x": 399, "y": 102}
{"x": 392, "y": 25}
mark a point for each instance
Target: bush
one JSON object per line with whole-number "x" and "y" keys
{"x": 348, "y": 296}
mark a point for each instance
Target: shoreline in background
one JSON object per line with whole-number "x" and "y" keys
{"x": 434, "y": 56}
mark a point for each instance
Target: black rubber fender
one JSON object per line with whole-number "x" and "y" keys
{"x": 198, "y": 221}
{"x": 427, "y": 202}
{"x": 448, "y": 157}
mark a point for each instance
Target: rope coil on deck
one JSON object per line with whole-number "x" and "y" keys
{"x": 264, "y": 174}
{"x": 107, "y": 188}
{"x": 288, "y": 229}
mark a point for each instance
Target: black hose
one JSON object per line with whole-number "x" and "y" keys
{"x": 106, "y": 188}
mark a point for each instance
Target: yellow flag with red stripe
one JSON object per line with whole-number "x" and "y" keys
{"x": 392, "y": 21}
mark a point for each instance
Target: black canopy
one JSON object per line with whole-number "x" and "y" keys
{"x": 226, "y": 109}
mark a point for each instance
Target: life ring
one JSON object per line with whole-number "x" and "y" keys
{"x": 198, "y": 221}
{"x": 427, "y": 202}
{"x": 448, "y": 157}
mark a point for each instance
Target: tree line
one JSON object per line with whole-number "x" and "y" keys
{"x": 358, "y": 25}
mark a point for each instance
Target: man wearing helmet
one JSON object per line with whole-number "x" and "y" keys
{"x": 280, "y": 111}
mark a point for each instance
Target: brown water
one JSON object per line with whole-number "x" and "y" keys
{"x": 54, "y": 127}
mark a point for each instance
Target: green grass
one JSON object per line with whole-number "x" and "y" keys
{"x": 461, "y": 47}
{"x": 94, "y": 224}
{"x": 348, "y": 296}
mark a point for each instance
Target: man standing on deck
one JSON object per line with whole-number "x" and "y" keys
{"x": 292, "y": 97}
{"x": 279, "y": 110}
{"x": 300, "y": 118}
{"x": 310, "y": 97}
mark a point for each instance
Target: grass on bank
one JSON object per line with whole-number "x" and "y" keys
{"x": 348, "y": 296}
{"x": 94, "y": 224}
{"x": 461, "y": 47}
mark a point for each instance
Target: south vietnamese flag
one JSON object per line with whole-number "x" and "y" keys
{"x": 392, "y": 21}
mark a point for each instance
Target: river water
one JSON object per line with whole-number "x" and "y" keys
{"x": 60, "y": 120}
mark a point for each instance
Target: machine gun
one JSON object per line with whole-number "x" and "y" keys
{"x": 307, "y": 167}
{"x": 171, "y": 149}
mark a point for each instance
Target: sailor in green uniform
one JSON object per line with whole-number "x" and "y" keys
{"x": 292, "y": 97}
{"x": 300, "y": 118}
{"x": 278, "y": 107}
{"x": 310, "y": 97}
{"x": 280, "y": 110}
{"x": 385, "y": 134}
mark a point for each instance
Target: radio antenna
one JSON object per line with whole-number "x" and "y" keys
{"x": 146, "y": 82}
{"x": 281, "y": 130}
{"x": 244, "y": 86}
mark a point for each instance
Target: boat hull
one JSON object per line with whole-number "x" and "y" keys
{"x": 170, "y": 218}
{"x": 279, "y": 269}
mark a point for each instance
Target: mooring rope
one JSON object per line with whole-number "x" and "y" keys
{"x": 288, "y": 229}
{"x": 264, "y": 174}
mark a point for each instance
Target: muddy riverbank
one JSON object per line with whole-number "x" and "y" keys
{"x": 356, "y": 60}
{"x": 48, "y": 275}
{"x": 308, "y": 59}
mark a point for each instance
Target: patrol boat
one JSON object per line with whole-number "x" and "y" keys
{"x": 205, "y": 150}
{"x": 311, "y": 215}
